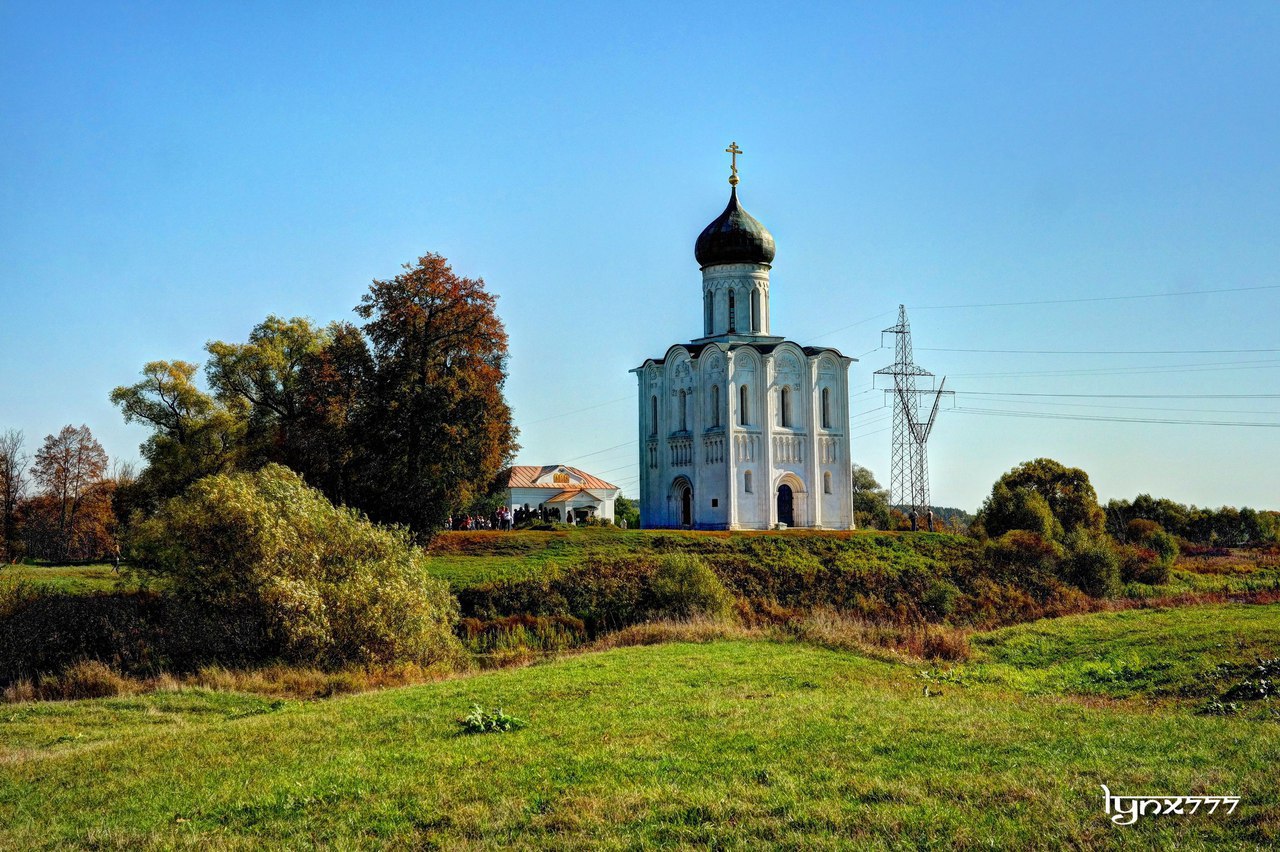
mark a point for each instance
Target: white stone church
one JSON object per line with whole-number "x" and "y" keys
{"x": 740, "y": 429}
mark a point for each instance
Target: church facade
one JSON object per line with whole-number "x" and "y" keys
{"x": 741, "y": 429}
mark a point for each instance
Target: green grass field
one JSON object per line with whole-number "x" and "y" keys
{"x": 469, "y": 559}
{"x": 1193, "y": 652}
{"x": 739, "y": 744}
{"x": 74, "y": 579}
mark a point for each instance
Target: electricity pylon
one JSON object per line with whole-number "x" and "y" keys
{"x": 909, "y": 482}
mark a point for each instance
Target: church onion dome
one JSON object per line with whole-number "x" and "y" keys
{"x": 734, "y": 237}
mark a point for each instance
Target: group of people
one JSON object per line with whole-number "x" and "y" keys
{"x": 506, "y": 519}
{"x": 502, "y": 519}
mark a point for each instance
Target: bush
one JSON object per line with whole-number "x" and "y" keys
{"x": 1092, "y": 564}
{"x": 139, "y": 633}
{"x": 328, "y": 587}
{"x": 1019, "y": 553}
{"x": 1142, "y": 565}
{"x": 684, "y": 586}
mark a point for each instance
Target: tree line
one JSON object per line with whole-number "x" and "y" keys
{"x": 401, "y": 417}
{"x": 58, "y": 504}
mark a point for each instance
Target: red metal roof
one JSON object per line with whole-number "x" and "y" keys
{"x": 526, "y": 476}
{"x": 566, "y": 496}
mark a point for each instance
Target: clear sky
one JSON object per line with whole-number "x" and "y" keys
{"x": 171, "y": 173}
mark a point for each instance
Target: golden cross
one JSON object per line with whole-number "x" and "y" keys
{"x": 733, "y": 151}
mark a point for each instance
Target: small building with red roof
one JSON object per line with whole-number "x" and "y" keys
{"x": 558, "y": 492}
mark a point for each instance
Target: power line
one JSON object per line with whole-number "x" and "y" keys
{"x": 1102, "y": 351}
{"x": 579, "y": 410}
{"x": 997, "y": 412}
{"x": 605, "y": 450}
{"x": 1097, "y": 298}
{"x": 1131, "y": 395}
{"x": 1204, "y": 367}
{"x": 1136, "y": 407}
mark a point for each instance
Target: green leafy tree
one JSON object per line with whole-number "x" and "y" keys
{"x": 337, "y": 385}
{"x": 264, "y": 376}
{"x": 1019, "y": 509}
{"x": 626, "y": 511}
{"x": 1066, "y": 491}
{"x": 327, "y": 587}
{"x": 870, "y": 500}
{"x": 194, "y": 435}
{"x": 439, "y": 425}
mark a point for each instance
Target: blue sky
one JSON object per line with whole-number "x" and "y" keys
{"x": 172, "y": 173}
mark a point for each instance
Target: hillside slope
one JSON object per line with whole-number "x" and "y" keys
{"x": 741, "y": 744}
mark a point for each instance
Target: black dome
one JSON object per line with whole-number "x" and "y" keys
{"x": 734, "y": 237}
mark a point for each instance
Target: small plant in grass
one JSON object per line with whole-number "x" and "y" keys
{"x": 1264, "y": 683}
{"x": 482, "y": 721}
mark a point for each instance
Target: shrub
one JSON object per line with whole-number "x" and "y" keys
{"x": 1142, "y": 565}
{"x": 684, "y": 586}
{"x": 1165, "y": 546}
{"x": 1092, "y": 564}
{"x": 1018, "y": 553}
{"x": 133, "y": 632}
{"x": 328, "y": 587}
{"x": 939, "y": 598}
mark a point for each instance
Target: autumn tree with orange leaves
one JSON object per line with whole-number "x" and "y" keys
{"x": 71, "y": 516}
{"x": 403, "y": 418}
{"x": 436, "y": 423}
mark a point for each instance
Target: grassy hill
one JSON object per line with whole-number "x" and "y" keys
{"x": 732, "y": 743}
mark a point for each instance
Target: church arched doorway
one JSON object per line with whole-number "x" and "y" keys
{"x": 786, "y": 505}
{"x": 681, "y": 497}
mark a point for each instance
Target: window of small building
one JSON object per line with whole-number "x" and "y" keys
{"x": 784, "y": 406}
{"x": 746, "y": 482}
{"x": 826, "y": 482}
{"x": 743, "y": 417}
{"x": 826, "y": 408}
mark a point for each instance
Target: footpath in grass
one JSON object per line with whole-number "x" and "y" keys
{"x": 739, "y": 744}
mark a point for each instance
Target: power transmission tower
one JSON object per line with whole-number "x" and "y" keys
{"x": 909, "y": 482}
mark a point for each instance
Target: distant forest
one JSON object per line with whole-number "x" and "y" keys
{"x": 942, "y": 513}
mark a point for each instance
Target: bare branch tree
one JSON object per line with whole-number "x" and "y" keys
{"x": 13, "y": 487}
{"x": 67, "y": 466}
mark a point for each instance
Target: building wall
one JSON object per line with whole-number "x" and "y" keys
{"x": 699, "y": 436}
{"x": 533, "y": 497}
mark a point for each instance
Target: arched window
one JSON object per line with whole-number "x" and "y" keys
{"x": 715, "y": 405}
{"x": 755, "y": 311}
{"x": 653, "y": 415}
{"x": 684, "y": 412}
{"x": 707, "y": 305}
{"x": 743, "y": 416}
{"x": 746, "y": 482}
{"x": 826, "y": 482}
{"x": 784, "y": 405}
{"x": 826, "y": 408}
{"x": 733, "y": 313}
